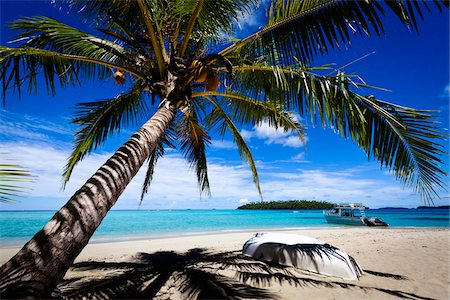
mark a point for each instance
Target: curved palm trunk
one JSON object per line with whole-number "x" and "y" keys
{"x": 41, "y": 264}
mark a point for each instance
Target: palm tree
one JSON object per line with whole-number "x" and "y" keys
{"x": 174, "y": 56}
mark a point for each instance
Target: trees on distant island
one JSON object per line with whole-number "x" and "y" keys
{"x": 290, "y": 204}
{"x": 434, "y": 207}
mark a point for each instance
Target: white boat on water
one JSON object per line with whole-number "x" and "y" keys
{"x": 302, "y": 252}
{"x": 351, "y": 214}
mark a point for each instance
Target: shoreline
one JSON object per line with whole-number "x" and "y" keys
{"x": 122, "y": 238}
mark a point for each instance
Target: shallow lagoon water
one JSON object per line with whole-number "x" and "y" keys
{"x": 16, "y": 227}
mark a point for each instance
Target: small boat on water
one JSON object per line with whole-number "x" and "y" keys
{"x": 351, "y": 214}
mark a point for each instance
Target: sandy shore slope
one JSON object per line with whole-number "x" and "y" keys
{"x": 399, "y": 263}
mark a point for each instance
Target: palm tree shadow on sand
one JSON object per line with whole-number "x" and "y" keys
{"x": 196, "y": 274}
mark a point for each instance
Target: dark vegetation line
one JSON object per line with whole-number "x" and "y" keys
{"x": 290, "y": 204}
{"x": 434, "y": 207}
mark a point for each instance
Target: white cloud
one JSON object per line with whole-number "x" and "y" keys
{"x": 299, "y": 157}
{"x": 271, "y": 135}
{"x": 292, "y": 141}
{"x": 247, "y": 20}
{"x": 219, "y": 144}
{"x": 175, "y": 186}
{"x": 446, "y": 92}
{"x": 343, "y": 186}
{"x": 8, "y": 129}
{"x": 254, "y": 17}
{"x": 243, "y": 201}
{"x": 15, "y": 126}
{"x": 247, "y": 134}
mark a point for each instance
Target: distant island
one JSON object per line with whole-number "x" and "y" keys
{"x": 393, "y": 208}
{"x": 433, "y": 207}
{"x": 290, "y": 204}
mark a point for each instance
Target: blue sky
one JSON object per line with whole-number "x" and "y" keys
{"x": 36, "y": 131}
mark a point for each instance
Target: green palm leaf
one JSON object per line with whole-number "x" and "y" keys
{"x": 166, "y": 141}
{"x": 400, "y": 138}
{"x": 231, "y": 109}
{"x": 123, "y": 20}
{"x": 218, "y": 115}
{"x": 99, "y": 11}
{"x": 11, "y": 177}
{"x": 156, "y": 154}
{"x": 63, "y": 53}
{"x": 98, "y": 120}
{"x": 250, "y": 111}
{"x": 305, "y": 29}
{"x": 193, "y": 141}
{"x": 204, "y": 21}
{"x": 22, "y": 65}
{"x": 47, "y": 33}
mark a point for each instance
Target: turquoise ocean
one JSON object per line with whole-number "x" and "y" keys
{"x": 16, "y": 227}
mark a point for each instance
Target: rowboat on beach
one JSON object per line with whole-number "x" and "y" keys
{"x": 302, "y": 252}
{"x": 351, "y": 214}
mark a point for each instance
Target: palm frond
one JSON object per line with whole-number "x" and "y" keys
{"x": 158, "y": 152}
{"x": 200, "y": 22}
{"x": 63, "y": 53}
{"x": 305, "y": 29}
{"x": 49, "y": 34}
{"x": 260, "y": 80}
{"x": 192, "y": 20}
{"x": 158, "y": 46}
{"x": 11, "y": 178}
{"x": 193, "y": 141}
{"x": 402, "y": 139}
{"x": 98, "y": 120}
{"x": 218, "y": 115}
{"x": 99, "y": 11}
{"x": 19, "y": 66}
{"x": 201, "y": 284}
{"x": 121, "y": 19}
{"x": 247, "y": 110}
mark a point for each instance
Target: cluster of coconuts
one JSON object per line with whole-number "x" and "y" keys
{"x": 203, "y": 74}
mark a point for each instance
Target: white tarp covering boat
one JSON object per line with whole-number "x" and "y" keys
{"x": 302, "y": 252}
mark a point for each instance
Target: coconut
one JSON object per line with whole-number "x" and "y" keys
{"x": 212, "y": 82}
{"x": 200, "y": 72}
{"x": 195, "y": 63}
{"x": 201, "y": 75}
{"x": 119, "y": 77}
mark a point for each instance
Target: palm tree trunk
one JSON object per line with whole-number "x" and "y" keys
{"x": 41, "y": 264}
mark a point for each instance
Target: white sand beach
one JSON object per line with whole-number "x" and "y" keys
{"x": 409, "y": 263}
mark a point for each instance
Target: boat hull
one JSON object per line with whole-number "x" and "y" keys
{"x": 355, "y": 221}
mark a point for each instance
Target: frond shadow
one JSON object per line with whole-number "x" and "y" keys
{"x": 195, "y": 274}
{"x": 388, "y": 275}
